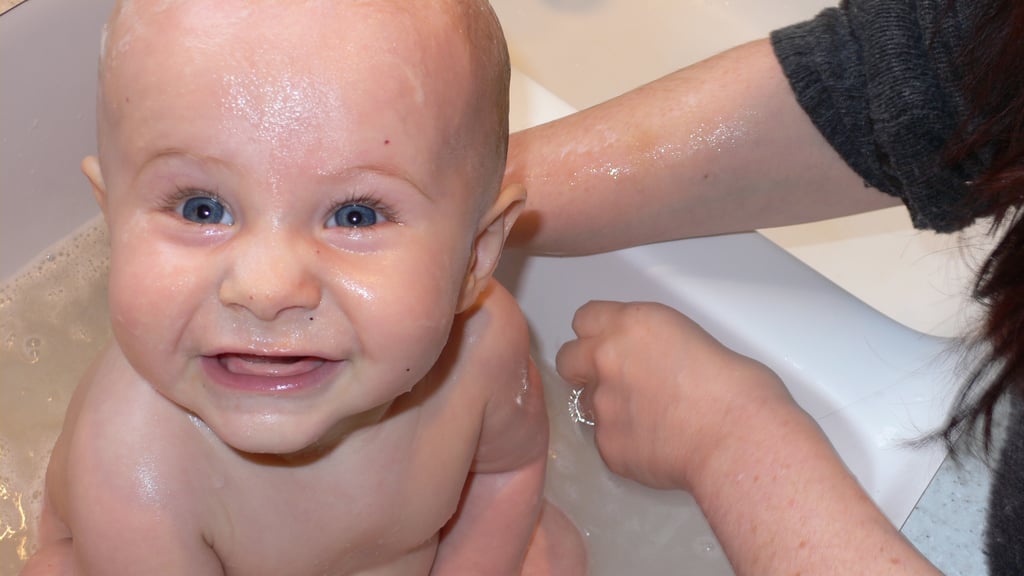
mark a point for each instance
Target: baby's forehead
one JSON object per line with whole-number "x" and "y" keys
{"x": 329, "y": 38}
{"x": 281, "y": 63}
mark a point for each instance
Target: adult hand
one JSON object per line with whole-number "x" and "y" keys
{"x": 676, "y": 409}
{"x": 664, "y": 393}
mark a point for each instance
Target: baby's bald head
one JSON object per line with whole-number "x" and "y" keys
{"x": 460, "y": 43}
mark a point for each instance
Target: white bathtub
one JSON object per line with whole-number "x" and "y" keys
{"x": 869, "y": 381}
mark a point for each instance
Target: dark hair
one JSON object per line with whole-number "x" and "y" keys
{"x": 993, "y": 86}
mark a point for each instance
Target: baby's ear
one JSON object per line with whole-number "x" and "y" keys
{"x": 91, "y": 169}
{"x": 490, "y": 238}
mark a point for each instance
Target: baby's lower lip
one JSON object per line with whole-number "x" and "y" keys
{"x": 267, "y": 373}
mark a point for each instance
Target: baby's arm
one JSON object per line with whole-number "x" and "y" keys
{"x": 503, "y": 496}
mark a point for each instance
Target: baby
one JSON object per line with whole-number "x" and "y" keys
{"x": 313, "y": 371}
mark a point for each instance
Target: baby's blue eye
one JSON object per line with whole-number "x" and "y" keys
{"x": 205, "y": 210}
{"x": 354, "y": 216}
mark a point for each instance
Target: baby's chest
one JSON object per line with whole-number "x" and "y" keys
{"x": 380, "y": 501}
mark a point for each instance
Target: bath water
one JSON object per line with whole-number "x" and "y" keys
{"x": 54, "y": 320}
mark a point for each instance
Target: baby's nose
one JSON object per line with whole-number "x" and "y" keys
{"x": 270, "y": 274}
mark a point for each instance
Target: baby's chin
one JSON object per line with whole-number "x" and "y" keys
{"x": 288, "y": 439}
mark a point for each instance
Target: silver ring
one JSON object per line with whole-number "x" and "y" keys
{"x": 578, "y": 415}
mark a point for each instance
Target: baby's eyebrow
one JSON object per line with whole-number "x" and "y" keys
{"x": 360, "y": 171}
{"x": 174, "y": 153}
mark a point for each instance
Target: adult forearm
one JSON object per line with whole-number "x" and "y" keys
{"x": 721, "y": 146}
{"x": 781, "y": 502}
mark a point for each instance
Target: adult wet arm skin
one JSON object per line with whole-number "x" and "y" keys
{"x": 721, "y": 146}
{"x": 677, "y": 410}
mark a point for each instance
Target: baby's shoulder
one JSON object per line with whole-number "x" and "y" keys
{"x": 488, "y": 349}
{"x": 118, "y": 480}
{"x": 111, "y": 398}
{"x": 494, "y": 344}
{"x": 492, "y": 337}
{"x": 514, "y": 425}
{"x": 120, "y": 438}
{"x": 494, "y": 329}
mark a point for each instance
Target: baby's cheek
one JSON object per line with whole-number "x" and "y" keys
{"x": 128, "y": 310}
{"x": 146, "y": 295}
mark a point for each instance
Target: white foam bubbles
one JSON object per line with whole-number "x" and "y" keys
{"x": 53, "y": 321}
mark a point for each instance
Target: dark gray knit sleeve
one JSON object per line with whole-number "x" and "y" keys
{"x": 879, "y": 79}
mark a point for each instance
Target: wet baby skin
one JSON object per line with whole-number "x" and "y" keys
{"x": 312, "y": 370}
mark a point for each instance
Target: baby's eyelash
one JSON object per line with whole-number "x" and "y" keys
{"x": 172, "y": 201}
{"x": 369, "y": 201}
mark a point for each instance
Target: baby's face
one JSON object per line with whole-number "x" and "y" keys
{"x": 291, "y": 221}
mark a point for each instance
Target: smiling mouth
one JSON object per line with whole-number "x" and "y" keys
{"x": 262, "y": 374}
